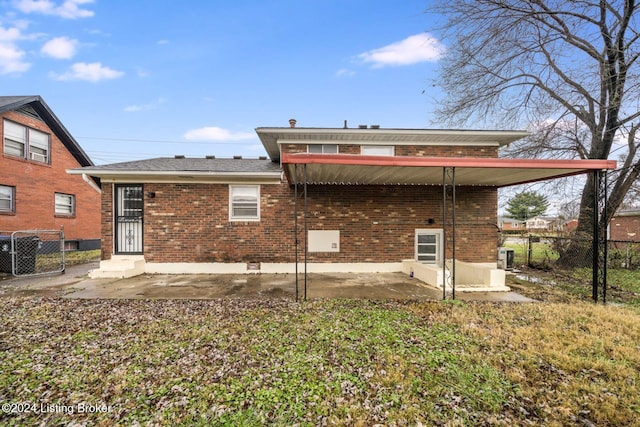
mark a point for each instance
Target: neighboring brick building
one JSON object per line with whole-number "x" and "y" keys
{"x": 367, "y": 199}
{"x": 510, "y": 224}
{"x": 35, "y": 190}
{"x": 625, "y": 226}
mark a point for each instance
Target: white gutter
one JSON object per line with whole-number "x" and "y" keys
{"x": 91, "y": 183}
{"x": 184, "y": 173}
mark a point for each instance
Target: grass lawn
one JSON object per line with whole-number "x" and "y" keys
{"x": 324, "y": 362}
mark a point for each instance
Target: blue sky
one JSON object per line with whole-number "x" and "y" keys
{"x": 133, "y": 79}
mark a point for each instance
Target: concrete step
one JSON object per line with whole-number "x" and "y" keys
{"x": 119, "y": 267}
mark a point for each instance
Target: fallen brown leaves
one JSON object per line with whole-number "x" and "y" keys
{"x": 325, "y": 362}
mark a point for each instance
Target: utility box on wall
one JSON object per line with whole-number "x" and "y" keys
{"x": 505, "y": 258}
{"x": 324, "y": 240}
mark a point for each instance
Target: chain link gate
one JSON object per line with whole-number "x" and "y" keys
{"x": 32, "y": 252}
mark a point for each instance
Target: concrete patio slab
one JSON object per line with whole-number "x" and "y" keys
{"x": 75, "y": 283}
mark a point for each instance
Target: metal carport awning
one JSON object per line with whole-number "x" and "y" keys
{"x": 350, "y": 169}
{"x": 448, "y": 172}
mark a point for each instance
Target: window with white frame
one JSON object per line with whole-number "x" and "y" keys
{"x": 7, "y": 199}
{"x": 428, "y": 246}
{"x": 244, "y": 202}
{"x": 65, "y": 204}
{"x": 322, "y": 148}
{"x": 376, "y": 150}
{"x": 22, "y": 141}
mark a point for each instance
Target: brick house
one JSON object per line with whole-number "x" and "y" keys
{"x": 625, "y": 226}
{"x": 35, "y": 190}
{"x": 333, "y": 199}
{"x": 511, "y": 224}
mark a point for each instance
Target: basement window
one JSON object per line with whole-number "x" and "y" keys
{"x": 428, "y": 246}
{"x": 244, "y": 203}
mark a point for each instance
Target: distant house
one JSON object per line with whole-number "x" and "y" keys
{"x": 571, "y": 225}
{"x": 511, "y": 224}
{"x": 625, "y": 226}
{"x": 35, "y": 190}
{"x": 364, "y": 199}
{"x": 537, "y": 224}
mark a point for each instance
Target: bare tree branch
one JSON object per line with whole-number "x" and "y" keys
{"x": 565, "y": 69}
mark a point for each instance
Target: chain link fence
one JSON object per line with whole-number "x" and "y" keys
{"x": 32, "y": 252}
{"x": 569, "y": 261}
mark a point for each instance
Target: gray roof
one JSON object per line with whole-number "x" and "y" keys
{"x": 10, "y": 103}
{"x": 170, "y": 164}
{"x": 169, "y": 169}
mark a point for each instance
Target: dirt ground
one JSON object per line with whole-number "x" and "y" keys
{"x": 75, "y": 283}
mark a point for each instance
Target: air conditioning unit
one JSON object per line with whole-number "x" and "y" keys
{"x": 38, "y": 157}
{"x": 505, "y": 258}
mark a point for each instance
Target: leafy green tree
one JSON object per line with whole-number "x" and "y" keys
{"x": 527, "y": 205}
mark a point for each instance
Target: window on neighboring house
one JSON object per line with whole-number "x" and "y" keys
{"x": 22, "y": 141}
{"x": 7, "y": 199}
{"x": 65, "y": 204}
{"x": 377, "y": 150}
{"x": 244, "y": 202}
{"x": 323, "y": 148}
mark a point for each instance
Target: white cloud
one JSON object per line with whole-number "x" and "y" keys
{"x": 144, "y": 107}
{"x": 11, "y": 55}
{"x": 69, "y": 9}
{"x": 161, "y": 42}
{"x": 214, "y": 133}
{"x": 10, "y": 34}
{"x": 93, "y": 72}
{"x": 11, "y": 59}
{"x": 60, "y": 48}
{"x": 412, "y": 50}
{"x": 141, "y": 72}
{"x": 345, "y": 72}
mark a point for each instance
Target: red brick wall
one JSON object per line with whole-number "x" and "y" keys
{"x": 107, "y": 219}
{"x": 625, "y": 228}
{"x": 190, "y": 223}
{"x": 36, "y": 183}
{"x": 445, "y": 151}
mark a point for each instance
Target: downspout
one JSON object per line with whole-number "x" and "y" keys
{"x": 92, "y": 184}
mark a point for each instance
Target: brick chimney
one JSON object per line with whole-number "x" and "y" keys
{"x": 292, "y": 123}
